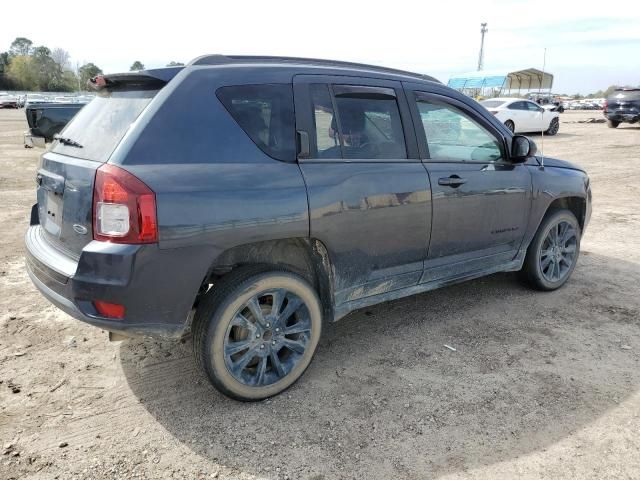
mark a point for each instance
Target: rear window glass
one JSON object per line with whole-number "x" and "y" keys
{"x": 492, "y": 103}
{"x": 626, "y": 94}
{"x": 265, "y": 113}
{"x": 102, "y": 123}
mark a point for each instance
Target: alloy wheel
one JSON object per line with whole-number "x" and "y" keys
{"x": 558, "y": 251}
{"x": 267, "y": 338}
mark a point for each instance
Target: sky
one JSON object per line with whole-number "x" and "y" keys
{"x": 588, "y": 46}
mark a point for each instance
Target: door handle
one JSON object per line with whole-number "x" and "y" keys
{"x": 452, "y": 181}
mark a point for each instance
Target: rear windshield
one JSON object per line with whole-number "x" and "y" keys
{"x": 102, "y": 123}
{"x": 492, "y": 103}
{"x": 626, "y": 94}
{"x": 265, "y": 113}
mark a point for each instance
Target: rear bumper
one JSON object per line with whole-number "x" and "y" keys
{"x": 156, "y": 286}
{"x": 623, "y": 117}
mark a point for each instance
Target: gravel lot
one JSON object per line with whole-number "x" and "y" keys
{"x": 541, "y": 385}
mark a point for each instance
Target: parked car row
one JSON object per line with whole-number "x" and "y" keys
{"x": 13, "y": 100}
{"x": 8, "y": 100}
{"x": 584, "y": 105}
{"x": 289, "y": 193}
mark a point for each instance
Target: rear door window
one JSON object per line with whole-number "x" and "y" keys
{"x": 265, "y": 112}
{"x": 360, "y": 123}
{"x": 327, "y": 137}
{"x": 101, "y": 124}
{"x": 532, "y": 107}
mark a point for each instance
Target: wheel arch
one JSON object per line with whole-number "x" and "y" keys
{"x": 512, "y": 121}
{"x": 307, "y": 257}
{"x": 575, "y": 204}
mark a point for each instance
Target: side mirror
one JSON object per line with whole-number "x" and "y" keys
{"x": 522, "y": 148}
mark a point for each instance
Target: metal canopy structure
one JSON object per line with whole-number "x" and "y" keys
{"x": 526, "y": 79}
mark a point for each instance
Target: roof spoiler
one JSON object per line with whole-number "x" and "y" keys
{"x": 141, "y": 79}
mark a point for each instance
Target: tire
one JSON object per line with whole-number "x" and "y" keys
{"x": 612, "y": 124}
{"x": 510, "y": 125}
{"x": 544, "y": 258}
{"x": 243, "y": 346}
{"x": 554, "y": 126}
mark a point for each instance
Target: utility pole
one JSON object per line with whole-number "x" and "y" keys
{"x": 483, "y": 30}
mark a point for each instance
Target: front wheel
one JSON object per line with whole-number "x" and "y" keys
{"x": 255, "y": 332}
{"x": 612, "y": 124}
{"x": 553, "y": 252}
{"x": 554, "y": 126}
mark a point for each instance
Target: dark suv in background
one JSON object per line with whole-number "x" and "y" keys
{"x": 622, "y": 106}
{"x": 262, "y": 197}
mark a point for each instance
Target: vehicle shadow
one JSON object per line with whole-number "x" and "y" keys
{"x": 385, "y": 398}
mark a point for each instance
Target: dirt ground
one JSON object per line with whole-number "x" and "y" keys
{"x": 541, "y": 385}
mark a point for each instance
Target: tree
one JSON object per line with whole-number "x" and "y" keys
{"x": 88, "y": 71}
{"x": 5, "y": 82}
{"x": 61, "y": 57}
{"x": 67, "y": 82}
{"x": 48, "y": 71}
{"x": 23, "y": 73}
{"x": 137, "y": 65}
{"x": 175, "y": 64}
{"x": 20, "y": 46}
{"x": 609, "y": 90}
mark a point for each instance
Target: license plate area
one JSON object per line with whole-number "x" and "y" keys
{"x": 51, "y": 213}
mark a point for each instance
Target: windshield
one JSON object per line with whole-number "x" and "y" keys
{"x": 492, "y": 103}
{"x": 102, "y": 123}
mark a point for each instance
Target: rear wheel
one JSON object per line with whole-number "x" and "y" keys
{"x": 510, "y": 125}
{"x": 256, "y": 332}
{"x": 554, "y": 126}
{"x": 612, "y": 124}
{"x": 553, "y": 252}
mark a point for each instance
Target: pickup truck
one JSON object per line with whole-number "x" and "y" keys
{"x": 46, "y": 120}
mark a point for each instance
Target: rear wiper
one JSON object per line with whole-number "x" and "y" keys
{"x": 67, "y": 141}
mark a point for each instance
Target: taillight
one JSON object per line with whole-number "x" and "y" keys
{"x": 605, "y": 106}
{"x": 124, "y": 208}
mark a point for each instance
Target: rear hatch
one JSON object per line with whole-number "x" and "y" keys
{"x": 624, "y": 102}
{"x": 67, "y": 172}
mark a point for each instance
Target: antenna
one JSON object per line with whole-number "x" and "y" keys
{"x": 483, "y": 30}
{"x": 544, "y": 64}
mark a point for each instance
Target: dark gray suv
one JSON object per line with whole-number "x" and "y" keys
{"x": 252, "y": 199}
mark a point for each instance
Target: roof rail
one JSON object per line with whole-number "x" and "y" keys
{"x": 217, "y": 59}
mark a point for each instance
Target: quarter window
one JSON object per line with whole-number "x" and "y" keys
{"x": 265, "y": 113}
{"x": 454, "y": 136}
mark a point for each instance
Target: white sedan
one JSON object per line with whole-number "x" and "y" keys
{"x": 520, "y": 115}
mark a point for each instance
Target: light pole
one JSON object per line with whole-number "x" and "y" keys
{"x": 483, "y": 30}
